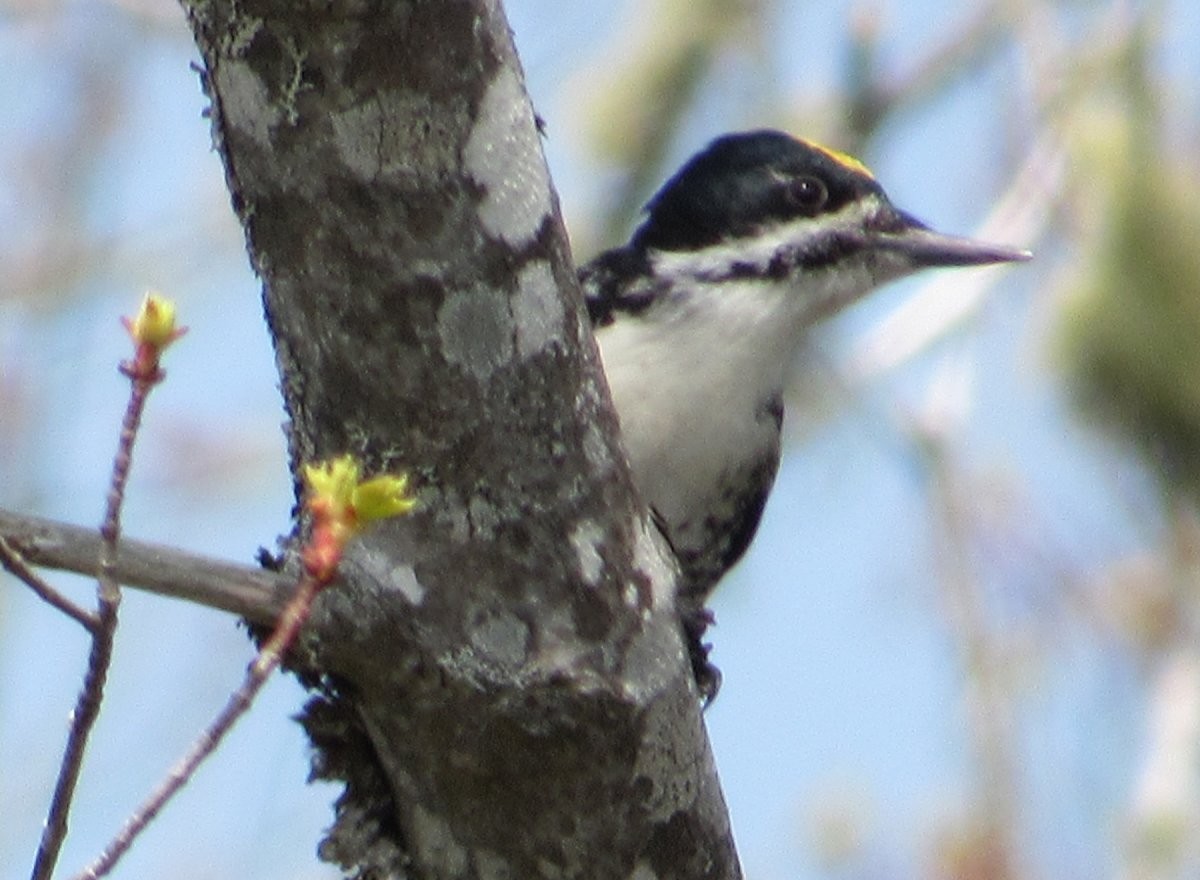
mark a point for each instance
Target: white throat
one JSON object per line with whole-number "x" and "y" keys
{"x": 690, "y": 381}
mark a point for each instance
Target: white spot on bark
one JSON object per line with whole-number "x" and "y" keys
{"x": 383, "y": 569}
{"x": 377, "y": 138}
{"x": 654, "y": 658}
{"x": 504, "y": 156}
{"x": 404, "y": 578}
{"x": 537, "y": 310}
{"x": 650, "y": 558}
{"x": 595, "y": 448}
{"x": 595, "y": 445}
{"x": 357, "y": 132}
{"x": 476, "y": 329}
{"x": 629, "y": 596}
{"x": 585, "y": 538}
{"x": 483, "y": 517}
{"x": 642, "y": 871}
{"x": 244, "y": 102}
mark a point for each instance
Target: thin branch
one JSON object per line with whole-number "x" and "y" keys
{"x": 873, "y": 96}
{"x": 267, "y": 661}
{"x": 988, "y": 696}
{"x": 339, "y": 503}
{"x": 144, "y": 373}
{"x": 254, "y": 593}
{"x": 15, "y": 564}
{"x": 956, "y": 57}
{"x": 87, "y": 708}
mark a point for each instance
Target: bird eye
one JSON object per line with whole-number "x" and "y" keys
{"x": 807, "y": 193}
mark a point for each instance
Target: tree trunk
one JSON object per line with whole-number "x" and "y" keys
{"x": 500, "y": 677}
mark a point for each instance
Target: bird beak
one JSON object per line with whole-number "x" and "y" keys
{"x": 926, "y": 249}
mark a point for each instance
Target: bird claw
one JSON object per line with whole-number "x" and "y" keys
{"x": 708, "y": 677}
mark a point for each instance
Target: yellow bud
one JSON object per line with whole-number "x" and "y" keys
{"x": 155, "y": 322}
{"x": 335, "y": 487}
{"x": 332, "y": 482}
{"x": 382, "y": 497}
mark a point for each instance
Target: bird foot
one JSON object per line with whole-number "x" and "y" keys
{"x": 708, "y": 677}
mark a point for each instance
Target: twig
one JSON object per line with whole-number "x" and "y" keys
{"x": 152, "y": 331}
{"x": 955, "y": 58}
{"x": 15, "y": 564}
{"x": 873, "y": 97}
{"x": 254, "y": 593}
{"x": 988, "y": 697}
{"x": 268, "y": 659}
{"x": 340, "y": 504}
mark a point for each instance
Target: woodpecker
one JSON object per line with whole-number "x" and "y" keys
{"x": 700, "y": 316}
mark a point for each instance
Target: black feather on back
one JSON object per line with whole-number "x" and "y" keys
{"x": 619, "y": 280}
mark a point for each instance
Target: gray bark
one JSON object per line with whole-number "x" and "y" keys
{"x": 253, "y": 593}
{"x": 500, "y": 677}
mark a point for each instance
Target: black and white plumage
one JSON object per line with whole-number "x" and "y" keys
{"x": 699, "y": 318}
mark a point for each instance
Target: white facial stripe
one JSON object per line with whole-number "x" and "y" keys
{"x": 758, "y": 251}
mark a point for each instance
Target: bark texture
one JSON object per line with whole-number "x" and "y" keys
{"x": 500, "y": 677}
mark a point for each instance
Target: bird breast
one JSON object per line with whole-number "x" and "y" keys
{"x": 693, "y": 386}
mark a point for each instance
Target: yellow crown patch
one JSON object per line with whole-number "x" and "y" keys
{"x": 843, "y": 159}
